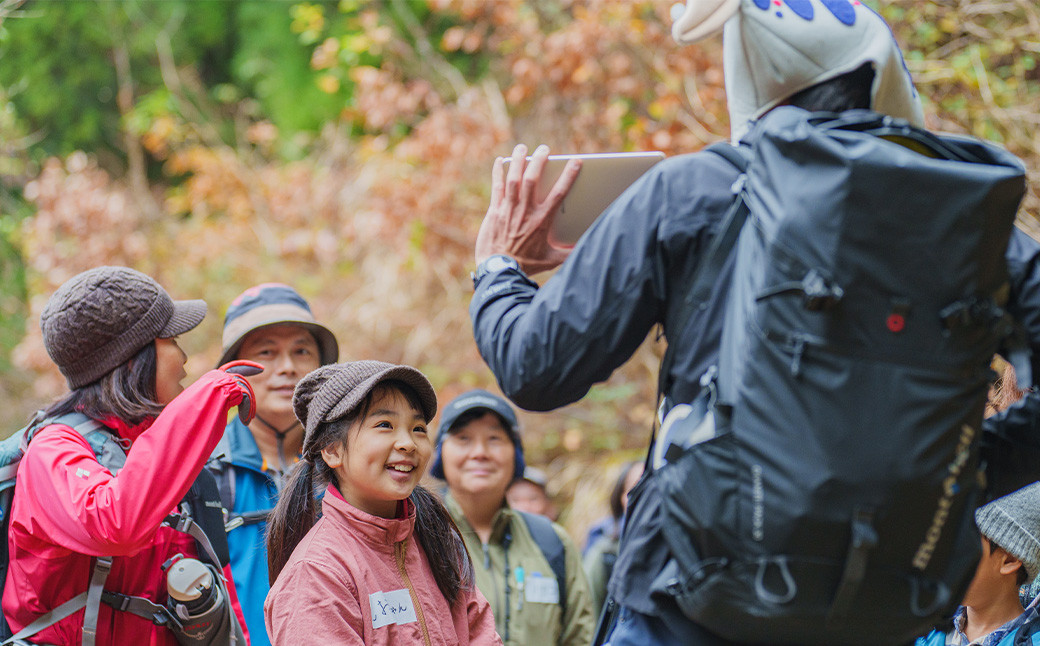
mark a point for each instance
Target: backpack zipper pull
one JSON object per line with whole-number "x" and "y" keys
{"x": 796, "y": 360}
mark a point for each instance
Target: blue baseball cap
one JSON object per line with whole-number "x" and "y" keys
{"x": 272, "y": 304}
{"x": 478, "y": 400}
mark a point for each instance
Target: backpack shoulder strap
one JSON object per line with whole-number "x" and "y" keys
{"x": 201, "y": 516}
{"x": 549, "y": 542}
{"x": 224, "y": 471}
{"x": 707, "y": 270}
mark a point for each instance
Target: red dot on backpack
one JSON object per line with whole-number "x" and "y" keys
{"x": 895, "y": 322}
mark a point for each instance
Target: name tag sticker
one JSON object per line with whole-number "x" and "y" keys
{"x": 541, "y": 589}
{"x": 391, "y": 608}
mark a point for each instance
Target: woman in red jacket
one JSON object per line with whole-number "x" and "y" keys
{"x": 112, "y": 332}
{"x": 385, "y": 564}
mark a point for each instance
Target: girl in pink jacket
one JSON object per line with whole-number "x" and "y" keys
{"x": 385, "y": 564}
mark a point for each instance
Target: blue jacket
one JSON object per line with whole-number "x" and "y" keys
{"x": 548, "y": 345}
{"x": 238, "y": 466}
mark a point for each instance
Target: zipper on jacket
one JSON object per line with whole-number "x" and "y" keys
{"x": 498, "y": 610}
{"x": 399, "y": 549}
{"x": 507, "y": 540}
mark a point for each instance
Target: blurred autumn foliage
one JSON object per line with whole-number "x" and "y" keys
{"x": 345, "y": 148}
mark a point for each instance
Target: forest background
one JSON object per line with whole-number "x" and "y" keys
{"x": 345, "y": 148}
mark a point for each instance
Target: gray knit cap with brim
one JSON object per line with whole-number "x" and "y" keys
{"x": 332, "y": 392}
{"x": 1013, "y": 523}
{"x": 99, "y": 319}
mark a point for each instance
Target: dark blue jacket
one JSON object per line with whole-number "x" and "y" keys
{"x": 547, "y": 346}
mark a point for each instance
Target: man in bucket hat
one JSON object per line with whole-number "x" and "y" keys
{"x": 272, "y": 325}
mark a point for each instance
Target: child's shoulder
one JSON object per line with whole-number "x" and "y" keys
{"x": 328, "y": 545}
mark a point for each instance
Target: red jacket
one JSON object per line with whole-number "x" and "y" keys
{"x": 68, "y": 509}
{"x": 357, "y": 579}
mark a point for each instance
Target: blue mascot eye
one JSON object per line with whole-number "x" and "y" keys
{"x": 842, "y": 10}
{"x": 801, "y": 7}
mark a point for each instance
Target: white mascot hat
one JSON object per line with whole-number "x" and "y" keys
{"x": 773, "y": 49}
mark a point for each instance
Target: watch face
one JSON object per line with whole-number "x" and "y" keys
{"x": 498, "y": 263}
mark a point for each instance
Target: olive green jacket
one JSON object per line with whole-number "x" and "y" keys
{"x": 527, "y": 615}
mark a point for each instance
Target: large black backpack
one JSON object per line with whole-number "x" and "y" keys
{"x": 821, "y": 490}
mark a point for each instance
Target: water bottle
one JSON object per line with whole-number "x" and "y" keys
{"x": 196, "y": 599}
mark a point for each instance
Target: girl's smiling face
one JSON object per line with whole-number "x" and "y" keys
{"x": 384, "y": 455}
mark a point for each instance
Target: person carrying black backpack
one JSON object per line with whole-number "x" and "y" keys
{"x": 115, "y": 532}
{"x": 832, "y": 293}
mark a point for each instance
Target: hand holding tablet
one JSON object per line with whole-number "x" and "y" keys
{"x": 603, "y": 177}
{"x": 540, "y": 205}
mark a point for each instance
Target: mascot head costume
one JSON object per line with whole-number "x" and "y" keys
{"x": 773, "y": 49}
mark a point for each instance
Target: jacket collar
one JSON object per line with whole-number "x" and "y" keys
{"x": 500, "y": 523}
{"x": 373, "y": 529}
{"x": 124, "y": 430}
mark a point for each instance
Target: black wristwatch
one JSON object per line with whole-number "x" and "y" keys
{"x": 493, "y": 265}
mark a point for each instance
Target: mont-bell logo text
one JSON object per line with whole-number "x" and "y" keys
{"x": 949, "y": 490}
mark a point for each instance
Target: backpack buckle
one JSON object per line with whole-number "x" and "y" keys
{"x": 819, "y": 293}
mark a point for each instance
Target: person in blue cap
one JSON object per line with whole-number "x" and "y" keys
{"x": 272, "y": 325}
{"x": 526, "y": 565}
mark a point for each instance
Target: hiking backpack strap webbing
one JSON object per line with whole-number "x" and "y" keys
{"x": 705, "y": 272}
{"x": 185, "y": 524}
{"x": 552, "y": 548}
{"x": 48, "y": 619}
{"x": 102, "y": 567}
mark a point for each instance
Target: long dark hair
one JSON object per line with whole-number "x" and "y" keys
{"x": 297, "y": 508}
{"x": 127, "y": 393}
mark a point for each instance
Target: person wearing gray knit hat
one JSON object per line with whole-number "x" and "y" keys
{"x": 992, "y": 612}
{"x": 333, "y": 392}
{"x": 99, "y": 319}
{"x": 382, "y": 540}
{"x": 1013, "y": 523}
{"x": 107, "y": 462}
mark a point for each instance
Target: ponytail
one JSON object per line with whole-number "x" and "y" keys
{"x": 293, "y": 516}
{"x": 442, "y": 541}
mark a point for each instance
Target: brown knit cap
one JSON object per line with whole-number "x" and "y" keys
{"x": 99, "y": 319}
{"x": 331, "y": 392}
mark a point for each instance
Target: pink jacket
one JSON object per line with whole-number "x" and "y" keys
{"x": 68, "y": 509}
{"x": 360, "y": 579}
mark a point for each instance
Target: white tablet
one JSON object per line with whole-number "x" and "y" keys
{"x": 603, "y": 177}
